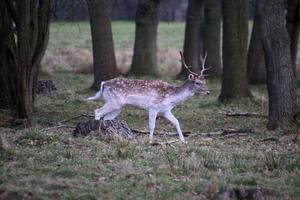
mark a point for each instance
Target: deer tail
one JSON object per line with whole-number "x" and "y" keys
{"x": 97, "y": 95}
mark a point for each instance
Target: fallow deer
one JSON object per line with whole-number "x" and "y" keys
{"x": 155, "y": 96}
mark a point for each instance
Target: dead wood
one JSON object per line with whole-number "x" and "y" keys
{"x": 242, "y": 114}
{"x": 227, "y": 132}
{"x": 167, "y": 143}
{"x": 45, "y": 87}
{"x": 272, "y": 139}
{"x": 56, "y": 127}
{"x": 109, "y": 128}
{"x": 185, "y": 133}
{"x": 72, "y": 118}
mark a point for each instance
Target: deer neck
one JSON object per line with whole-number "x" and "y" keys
{"x": 183, "y": 92}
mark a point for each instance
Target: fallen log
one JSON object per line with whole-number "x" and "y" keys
{"x": 241, "y": 114}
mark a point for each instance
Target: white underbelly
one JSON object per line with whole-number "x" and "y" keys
{"x": 140, "y": 101}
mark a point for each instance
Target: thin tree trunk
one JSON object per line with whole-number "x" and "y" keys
{"x": 212, "y": 41}
{"x": 235, "y": 37}
{"x": 281, "y": 80}
{"x": 256, "y": 67}
{"x": 193, "y": 46}
{"x": 144, "y": 61}
{"x": 293, "y": 27}
{"x": 105, "y": 66}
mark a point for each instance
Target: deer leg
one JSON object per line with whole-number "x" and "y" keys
{"x": 112, "y": 115}
{"x": 152, "y": 119}
{"x": 169, "y": 116}
{"x": 101, "y": 112}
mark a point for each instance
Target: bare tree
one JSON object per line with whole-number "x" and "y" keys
{"x": 281, "y": 81}
{"x": 235, "y": 37}
{"x": 24, "y": 30}
{"x": 193, "y": 46}
{"x": 212, "y": 36}
{"x": 105, "y": 66}
{"x": 144, "y": 60}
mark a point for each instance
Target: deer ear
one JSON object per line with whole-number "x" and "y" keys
{"x": 191, "y": 77}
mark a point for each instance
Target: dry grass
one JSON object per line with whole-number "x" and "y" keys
{"x": 70, "y": 47}
{"x": 80, "y": 61}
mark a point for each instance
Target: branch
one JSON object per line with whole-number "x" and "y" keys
{"x": 241, "y": 114}
{"x": 272, "y": 139}
{"x": 185, "y": 133}
{"x": 76, "y": 117}
{"x": 56, "y": 127}
{"x": 224, "y": 132}
{"x": 164, "y": 143}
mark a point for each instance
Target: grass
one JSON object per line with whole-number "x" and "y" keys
{"x": 72, "y": 41}
{"x": 51, "y": 164}
{"x": 77, "y": 35}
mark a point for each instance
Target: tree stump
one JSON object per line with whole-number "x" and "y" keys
{"x": 111, "y": 128}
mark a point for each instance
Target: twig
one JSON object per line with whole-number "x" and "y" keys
{"x": 241, "y": 114}
{"x": 164, "y": 143}
{"x": 186, "y": 133}
{"x": 76, "y": 117}
{"x": 227, "y": 132}
{"x": 270, "y": 139}
{"x": 56, "y": 127}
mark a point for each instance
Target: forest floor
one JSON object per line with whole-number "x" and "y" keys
{"x": 43, "y": 163}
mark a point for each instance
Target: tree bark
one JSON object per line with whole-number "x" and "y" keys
{"x": 293, "y": 27}
{"x": 144, "y": 61}
{"x": 281, "y": 82}
{"x": 256, "y": 67}
{"x": 193, "y": 43}
{"x": 235, "y": 37}
{"x": 105, "y": 66}
{"x": 212, "y": 37}
{"x": 24, "y": 30}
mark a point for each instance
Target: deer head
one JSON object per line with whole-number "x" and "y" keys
{"x": 197, "y": 80}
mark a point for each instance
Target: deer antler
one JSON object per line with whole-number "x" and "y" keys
{"x": 203, "y": 60}
{"x": 184, "y": 64}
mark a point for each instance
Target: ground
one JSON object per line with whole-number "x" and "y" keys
{"x": 42, "y": 163}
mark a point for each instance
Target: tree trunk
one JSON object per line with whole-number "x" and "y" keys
{"x": 212, "y": 41}
{"x": 235, "y": 37}
{"x": 256, "y": 67}
{"x": 281, "y": 82}
{"x": 193, "y": 46}
{"x": 105, "y": 66}
{"x": 293, "y": 27}
{"x": 24, "y": 36}
{"x": 144, "y": 61}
